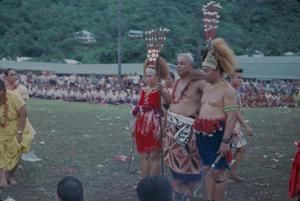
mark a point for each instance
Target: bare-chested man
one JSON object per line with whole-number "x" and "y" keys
{"x": 217, "y": 118}
{"x": 180, "y": 150}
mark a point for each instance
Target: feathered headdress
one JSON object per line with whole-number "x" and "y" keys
{"x": 210, "y": 21}
{"x": 154, "y": 39}
{"x": 219, "y": 53}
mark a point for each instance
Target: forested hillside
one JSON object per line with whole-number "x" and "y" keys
{"x": 44, "y": 29}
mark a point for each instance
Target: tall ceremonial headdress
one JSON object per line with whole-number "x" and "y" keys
{"x": 210, "y": 21}
{"x": 155, "y": 64}
{"x": 155, "y": 39}
{"x": 219, "y": 53}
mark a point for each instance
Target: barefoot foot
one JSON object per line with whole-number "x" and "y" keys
{"x": 12, "y": 181}
{"x": 4, "y": 185}
{"x": 235, "y": 177}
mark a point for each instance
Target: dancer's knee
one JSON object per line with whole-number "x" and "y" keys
{"x": 219, "y": 176}
{"x": 242, "y": 149}
{"x": 145, "y": 156}
{"x": 154, "y": 156}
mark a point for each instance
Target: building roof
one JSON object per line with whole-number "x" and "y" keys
{"x": 254, "y": 67}
{"x": 84, "y": 32}
{"x": 283, "y": 67}
{"x": 74, "y": 68}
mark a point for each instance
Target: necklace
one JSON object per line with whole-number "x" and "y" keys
{"x": 217, "y": 83}
{"x": 4, "y": 113}
{"x": 148, "y": 91}
{"x": 176, "y": 100}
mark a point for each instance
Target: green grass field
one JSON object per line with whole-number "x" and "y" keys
{"x": 81, "y": 139}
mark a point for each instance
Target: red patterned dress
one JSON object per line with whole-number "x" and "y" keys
{"x": 147, "y": 126}
{"x": 294, "y": 182}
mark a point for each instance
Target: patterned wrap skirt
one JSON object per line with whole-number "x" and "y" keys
{"x": 182, "y": 158}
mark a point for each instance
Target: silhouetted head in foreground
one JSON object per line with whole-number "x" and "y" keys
{"x": 155, "y": 188}
{"x": 69, "y": 189}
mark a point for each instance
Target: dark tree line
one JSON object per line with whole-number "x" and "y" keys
{"x": 44, "y": 29}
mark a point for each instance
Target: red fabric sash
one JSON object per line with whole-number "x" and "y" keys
{"x": 208, "y": 126}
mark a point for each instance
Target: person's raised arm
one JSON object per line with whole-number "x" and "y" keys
{"x": 164, "y": 94}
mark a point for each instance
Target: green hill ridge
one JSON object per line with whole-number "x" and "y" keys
{"x": 44, "y": 29}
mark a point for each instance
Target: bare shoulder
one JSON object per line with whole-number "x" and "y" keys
{"x": 230, "y": 97}
{"x": 22, "y": 87}
{"x": 200, "y": 84}
{"x": 228, "y": 89}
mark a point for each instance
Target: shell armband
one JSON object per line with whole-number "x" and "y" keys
{"x": 231, "y": 108}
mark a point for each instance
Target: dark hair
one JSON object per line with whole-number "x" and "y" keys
{"x": 155, "y": 188}
{"x": 70, "y": 189}
{"x": 238, "y": 70}
{"x": 172, "y": 75}
{"x": 2, "y": 85}
{"x": 6, "y": 71}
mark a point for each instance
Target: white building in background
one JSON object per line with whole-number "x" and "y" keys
{"x": 258, "y": 53}
{"x": 20, "y": 59}
{"x": 71, "y": 61}
{"x": 135, "y": 34}
{"x": 289, "y": 54}
{"x": 263, "y": 68}
{"x": 85, "y": 37}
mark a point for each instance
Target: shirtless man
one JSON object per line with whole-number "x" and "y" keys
{"x": 179, "y": 144}
{"x": 217, "y": 117}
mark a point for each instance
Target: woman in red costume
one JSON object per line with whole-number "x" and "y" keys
{"x": 148, "y": 113}
{"x": 294, "y": 183}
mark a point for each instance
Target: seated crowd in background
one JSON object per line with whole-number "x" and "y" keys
{"x": 278, "y": 93}
{"x": 83, "y": 88}
{"x": 111, "y": 90}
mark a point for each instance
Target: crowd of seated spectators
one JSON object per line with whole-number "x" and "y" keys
{"x": 111, "y": 90}
{"x": 278, "y": 93}
{"x": 83, "y": 88}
